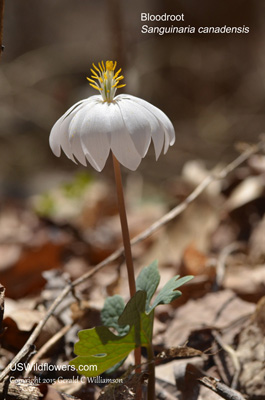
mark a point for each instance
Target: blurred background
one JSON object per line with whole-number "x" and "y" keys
{"x": 211, "y": 86}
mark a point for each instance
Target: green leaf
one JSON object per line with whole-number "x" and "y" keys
{"x": 169, "y": 293}
{"x": 135, "y": 306}
{"x": 112, "y": 310}
{"x": 147, "y": 322}
{"x": 148, "y": 280}
{"x": 132, "y": 314}
{"x": 99, "y": 349}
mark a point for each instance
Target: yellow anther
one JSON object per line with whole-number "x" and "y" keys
{"x": 120, "y": 86}
{"x": 91, "y": 80}
{"x": 95, "y": 87}
{"x": 103, "y": 66}
{"x": 96, "y": 68}
{"x": 117, "y": 73}
{"x": 94, "y": 73}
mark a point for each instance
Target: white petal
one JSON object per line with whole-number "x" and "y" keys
{"x": 167, "y": 142}
{"x": 137, "y": 123}
{"x": 157, "y": 129}
{"x": 75, "y": 129}
{"x": 59, "y": 137}
{"x": 93, "y": 128}
{"x": 160, "y": 115}
{"x": 121, "y": 143}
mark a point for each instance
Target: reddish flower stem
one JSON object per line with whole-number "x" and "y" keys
{"x": 124, "y": 226}
{"x": 126, "y": 243}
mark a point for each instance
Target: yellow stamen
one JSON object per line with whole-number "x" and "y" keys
{"x": 117, "y": 73}
{"x": 93, "y": 72}
{"x": 95, "y": 87}
{"x": 96, "y": 68}
{"x": 104, "y": 78}
{"x": 91, "y": 80}
{"x": 100, "y": 68}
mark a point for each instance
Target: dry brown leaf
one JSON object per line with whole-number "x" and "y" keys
{"x": 25, "y": 276}
{"x": 247, "y": 281}
{"x": 21, "y": 322}
{"x": 50, "y": 393}
{"x": 256, "y": 243}
{"x": 125, "y": 390}
{"x": 214, "y": 309}
{"x": 177, "y": 352}
{"x": 249, "y": 189}
{"x": 195, "y": 262}
{"x": 250, "y": 353}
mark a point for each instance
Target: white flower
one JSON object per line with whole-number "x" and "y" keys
{"x": 124, "y": 124}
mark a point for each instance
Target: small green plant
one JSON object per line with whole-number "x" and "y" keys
{"x": 132, "y": 322}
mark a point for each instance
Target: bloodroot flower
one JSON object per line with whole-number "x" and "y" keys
{"x": 123, "y": 124}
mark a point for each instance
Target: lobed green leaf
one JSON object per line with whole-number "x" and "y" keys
{"x": 148, "y": 280}
{"x": 169, "y": 293}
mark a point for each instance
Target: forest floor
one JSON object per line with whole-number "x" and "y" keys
{"x": 208, "y": 344}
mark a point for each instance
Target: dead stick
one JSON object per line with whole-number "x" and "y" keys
{"x": 162, "y": 221}
{"x": 21, "y": 391}
{"x": 221, "y": 389}
{"x": 43, "y": 350}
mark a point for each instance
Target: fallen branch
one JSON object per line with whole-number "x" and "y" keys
{"x": 13, "y": 391}
{"x": 17, "y": 390}
{"x": 145, "y": 234}
{"x": 47, "y": 346}
{"x": 221, "y": 389}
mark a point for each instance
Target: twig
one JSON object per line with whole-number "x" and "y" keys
{"x": 43, "y": 350}
{"x": 233, "y": 356}
{"x": 199, "y": 189}
{"x": 23, "y": 391}
{"x": 17, "y": 390}
{"x": 220, "y": 388}
{"x": 114, "y": 256}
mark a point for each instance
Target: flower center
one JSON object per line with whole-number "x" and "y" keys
{"x": 106, "y": 80}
